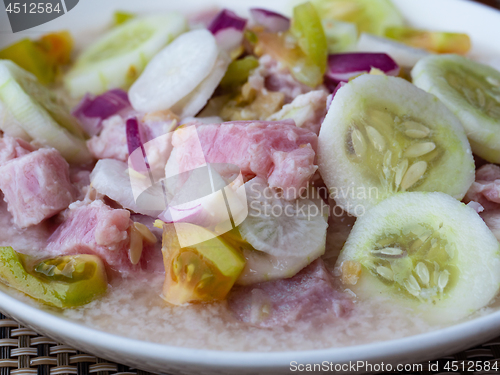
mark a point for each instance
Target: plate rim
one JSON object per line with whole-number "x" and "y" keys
{"x": 62, "y": 327}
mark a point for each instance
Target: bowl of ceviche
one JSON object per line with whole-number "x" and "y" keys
{"x": 254, "y": 187}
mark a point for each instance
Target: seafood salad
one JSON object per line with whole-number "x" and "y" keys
{"x": 258, "y": 181}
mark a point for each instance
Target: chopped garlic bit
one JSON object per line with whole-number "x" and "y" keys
{"x": 351, "y": 271}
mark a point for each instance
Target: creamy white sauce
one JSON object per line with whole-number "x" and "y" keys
{"x": 134, "y": 308}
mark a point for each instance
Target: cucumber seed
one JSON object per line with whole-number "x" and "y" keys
{"x": 419, "y": 149}
{"x": 414, "y": 173}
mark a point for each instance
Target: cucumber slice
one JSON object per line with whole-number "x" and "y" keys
{"x": 34, "y": 109}
{"x": 383, "y": 135}
{"x": 119, "y": 57}
{"x": 427, "y": 251}
{"x": 48, "y": 99}
{"x": 472, "y": 92}
{"x": 371, "y": 16}
{"x": 9, "y": 124}
{"x": 175, "y": 72}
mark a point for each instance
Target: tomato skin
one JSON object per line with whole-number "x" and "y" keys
{"x": 283, "y": 47}
{"x": 303, "y": 49}
{"x": 433, "y": 41}
{"x": 203, "y": 272}
{"x": 57, "y": 46}
{"x": 28, "y": 56}
{"x": 42, "y": 57}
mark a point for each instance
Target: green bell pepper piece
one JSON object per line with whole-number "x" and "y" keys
{"x": 63, "y": 282}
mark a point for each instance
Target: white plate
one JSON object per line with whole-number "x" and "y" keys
{"x": 480, "y": 22}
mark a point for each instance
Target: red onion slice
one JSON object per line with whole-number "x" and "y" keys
{"x": 272, "y": 21}
{"x": 343, "y": 66}
{"x": 133, "y": 135}
{"x": 227, "y": 19}
{"x": 137, "y": 159}
{"x": 228, "y": 28}
{"x": 92, "y": 110}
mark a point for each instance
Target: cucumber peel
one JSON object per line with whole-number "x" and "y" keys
{"x": 472, "y": 92}
{"x": 119, "y": 57}
{"x": 34, "y": 110}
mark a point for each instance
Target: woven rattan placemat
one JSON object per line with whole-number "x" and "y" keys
{"x": 25, "y": 352}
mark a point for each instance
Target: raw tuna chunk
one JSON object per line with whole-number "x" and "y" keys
{"x": 80, "y": 178}
{"x": 307, "y": 110}
{"x": 12, "y": 148}
{"x": 111, "y": 142}
{"x": 476, "y": 206}
{"x": 94, "y": 228}
{"x": 308, "y": 296}
{"x": 484, "y": 196}
{"x": 36, "y": 186}
{"x": 486, "y": 189}
{"x": 292, "y": 170}
{"x": 279, "y": 152}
